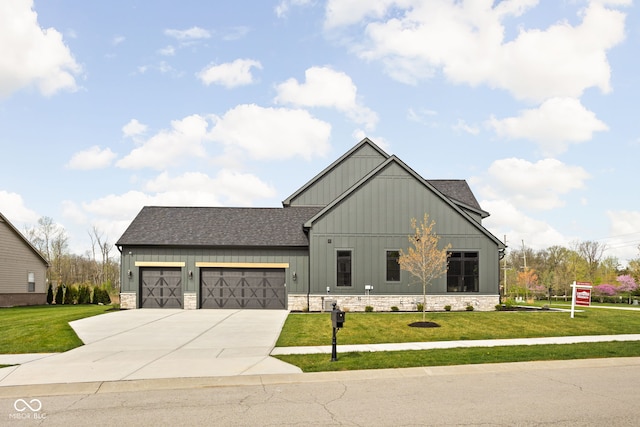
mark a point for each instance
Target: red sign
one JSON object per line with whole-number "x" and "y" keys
{"x": 583, "y": 295}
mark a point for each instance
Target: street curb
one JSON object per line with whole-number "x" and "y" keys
{"x": 134, "y": 386}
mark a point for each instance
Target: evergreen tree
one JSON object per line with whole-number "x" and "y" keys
{"x": 59, "y": 294}
{"x": 50, "y": 294}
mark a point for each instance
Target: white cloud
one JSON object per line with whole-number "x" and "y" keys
{"x": 118, "y": 40}
{"x": 282, "y": 9}
{"x": 230, "y": 74}
{"x": 236, "y": 33}
{"x": 91, "y": 158}
{"x": 198, "y": 189}
{"x": 466, "y": 42}
{"x": 272, "y": 133}
{"x": 348, "y": 12}
{"x": 462, "y": 126}
{"x": 168, "y": 147}
{"x": 167, "y": 51}
{"x": 113, "y": 213}
{"x": 625, "y": 231}
{"x": 134, "y": 128}
{"x": 193, "y": 33}
{"x": 508, "y": 220}
{"x": 554, "y": 125}
{"x": 325, "y": 87}
{"x": 13, "y": 208}
{"x": 529, "y": 185}
{"x": 32, "y": 55}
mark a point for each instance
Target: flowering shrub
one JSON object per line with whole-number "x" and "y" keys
{"x": 605, "y": 289}
{"x": 627, "y": 283}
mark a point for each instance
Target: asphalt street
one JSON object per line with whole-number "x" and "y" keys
{"x": 599, "y": 392}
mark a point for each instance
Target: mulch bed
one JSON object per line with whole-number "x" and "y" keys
{"x": 424, "y": 325}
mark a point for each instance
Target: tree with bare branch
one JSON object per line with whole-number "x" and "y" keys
{"x": 424, "y": 260}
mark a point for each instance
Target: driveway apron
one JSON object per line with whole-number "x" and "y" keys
{"x": 162, "y": 343}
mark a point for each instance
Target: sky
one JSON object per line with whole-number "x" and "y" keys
{"x": 106, "y": 107}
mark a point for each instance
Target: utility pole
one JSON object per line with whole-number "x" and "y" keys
{"x": 504, "y": 269}
{"x": 524, "y": 257}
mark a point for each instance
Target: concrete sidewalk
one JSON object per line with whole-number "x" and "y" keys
{"x": 326, "y": 349}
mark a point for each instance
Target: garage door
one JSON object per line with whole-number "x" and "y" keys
{"x": 161, "y": 287}
{"x": 261, "y": 288}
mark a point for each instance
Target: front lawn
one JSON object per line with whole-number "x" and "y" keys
{"x": 312, "y": 329}
{"x": 42, "y": 329}
{"x": 460, "y": 356}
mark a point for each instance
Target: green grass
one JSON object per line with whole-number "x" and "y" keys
{"x": 42, "y": 329}
{"x": 460, "y": 356}
{"x": 306, "y": 329}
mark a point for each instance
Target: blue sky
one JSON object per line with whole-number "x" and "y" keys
{"x": 109, "y": 106}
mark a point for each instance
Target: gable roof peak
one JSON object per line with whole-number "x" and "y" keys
{"x": 364, "y": 142}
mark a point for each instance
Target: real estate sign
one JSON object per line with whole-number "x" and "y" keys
{"x": 581, "y": 295}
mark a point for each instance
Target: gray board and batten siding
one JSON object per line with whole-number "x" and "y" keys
{"x": 374, "y": 217}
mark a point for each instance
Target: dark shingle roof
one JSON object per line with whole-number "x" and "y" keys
{"x": 218, "y": 226}
{"x": 456, "y": 190}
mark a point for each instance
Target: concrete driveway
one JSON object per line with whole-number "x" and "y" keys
{"x": 147, "y": 343}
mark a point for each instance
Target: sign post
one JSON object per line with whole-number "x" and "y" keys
{"x": 580, "y": 295}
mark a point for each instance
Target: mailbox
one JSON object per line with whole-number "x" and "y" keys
{"x": 337, "y": 318}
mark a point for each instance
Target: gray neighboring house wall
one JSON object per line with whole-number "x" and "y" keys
{"x": 23, "y": 271}
{"x": 335, "y": 239}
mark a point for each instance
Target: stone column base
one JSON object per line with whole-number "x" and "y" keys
{"x": 128, "y": 300}
{"x": 190, "y": 301}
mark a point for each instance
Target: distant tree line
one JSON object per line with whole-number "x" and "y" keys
{"x": 72, "y": 274}
{"x": 529, "y": 273}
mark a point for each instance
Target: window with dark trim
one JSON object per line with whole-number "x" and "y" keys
{"x": 393, "y": 267}
{"x": 462, "y": 273}
{"x": 343, "y": 264}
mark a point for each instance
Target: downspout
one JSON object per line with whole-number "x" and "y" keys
{"x": 306, "y": 230}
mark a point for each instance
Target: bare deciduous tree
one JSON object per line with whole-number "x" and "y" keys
{"x": 424, "y": 260}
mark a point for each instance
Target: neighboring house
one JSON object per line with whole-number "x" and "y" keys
{"x": 337, "y": 238}
{"x": 23, "y": 271}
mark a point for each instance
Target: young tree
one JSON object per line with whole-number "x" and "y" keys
{"x": 423, "y": 260}
{"x": 627, "y": 286}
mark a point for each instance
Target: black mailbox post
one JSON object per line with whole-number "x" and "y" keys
{"x": 337, "y": 321}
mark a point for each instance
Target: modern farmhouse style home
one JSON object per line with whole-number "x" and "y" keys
{"x": 337, "y": 238}
{"x": 23, "y": 270}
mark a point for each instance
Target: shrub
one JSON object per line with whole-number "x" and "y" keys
{"x": 368, "y": 309}
{"x": 394, "y": 308}
{"x": 71, "y": 295}
{"x": 469, "y": 307}
{"x": 59, "y": 294}
{"x": 447, "y": 307}
{"x": 101, "y": 296}
{"x": 50, "y": 294}
{"x": 419, "y": 306}
{"x": 84, "y": 294}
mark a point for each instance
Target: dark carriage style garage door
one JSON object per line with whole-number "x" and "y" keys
{"x": 161, "y": 287}
{"x": 258, "y": 288}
